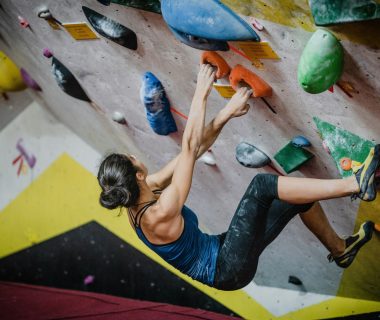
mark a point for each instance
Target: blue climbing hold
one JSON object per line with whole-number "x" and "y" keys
{"x": 200, "y": 43}
{"x": 157, "y": 105}
{"x": 206, "y": 19}
{"x": 301, "y": 141}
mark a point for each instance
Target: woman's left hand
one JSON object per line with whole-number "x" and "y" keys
{"x": 206, "y": 77}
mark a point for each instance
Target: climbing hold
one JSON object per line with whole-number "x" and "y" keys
{"x": 321, "y": 63}
{"x": 257, "y": 25}
{"x": 347, "y": 87}
{"x": 199, "y": 43}
{"x": 250, "y": 156}
{"x": 377, "y": 227}
{"x": 119, "y": 117}
{"x": 345, "y": 163}
{"x": 343, "y": 143}
{"x": 111, "y": 29}
{"x": 29, "y": 81}
{"x": 10, "y": 76}
{"x": 208, "y": 158}
{"x": 290, "y": 158}
{"x": 324, "y": 145}
{"x": 259, "y": 87}
{"x": 23, "y": 22}
{"x": 147, "y": 5}
{"x": 67, "y": 82}
{"x": 295, "y": 280}
{"x": 301, "y": 141}
{"x": 44, "y": 13}
{"x": 157, "y": 105}
{"x": 105, "y": 2}
{"x": 327, "y": 12}
{"x": 47, "y": 53}
{"x": 88, "y": 280}
{"x": 206, "y": 19}
{"x": 213, "y": 58}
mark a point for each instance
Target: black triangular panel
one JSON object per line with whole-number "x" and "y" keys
{"x": 119, "y": 269}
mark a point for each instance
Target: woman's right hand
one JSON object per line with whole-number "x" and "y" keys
{"x": 238, "y": 105}
{"x": 206, "y": 77}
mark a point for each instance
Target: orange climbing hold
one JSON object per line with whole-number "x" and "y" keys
{"x": 345, "y": 164}
{"x": 377, "y": 227}
{"x": 259, "y": 86}
{"x": 213, "y": 58}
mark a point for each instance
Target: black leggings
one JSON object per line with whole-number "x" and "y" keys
{"x": 258, "y": 220}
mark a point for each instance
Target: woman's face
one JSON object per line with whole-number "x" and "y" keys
{"x": 138, "y": 164}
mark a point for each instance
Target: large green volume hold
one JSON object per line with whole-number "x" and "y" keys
{"x": 329, "y": 12}
{"x": 321, "y": 63}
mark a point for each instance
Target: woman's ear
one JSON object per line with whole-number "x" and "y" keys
{"x": 140, "y": 175}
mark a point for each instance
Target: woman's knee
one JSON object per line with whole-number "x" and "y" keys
{"x": 232, "y": 284}
{"x": 264, "y": 186}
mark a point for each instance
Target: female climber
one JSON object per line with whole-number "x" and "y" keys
{"x": 157, "y": 211}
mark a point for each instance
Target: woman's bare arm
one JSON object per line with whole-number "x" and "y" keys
{"x": 174, "y": 196}
{"x": 236, "y": 107}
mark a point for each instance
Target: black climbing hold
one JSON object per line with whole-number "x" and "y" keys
{"x": 295, "y": 280}
{"x": 105, "y": 2}
{"x": 111, "y": 29}
{"x": 67, "y": 81}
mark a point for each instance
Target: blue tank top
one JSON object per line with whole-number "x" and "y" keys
{"x": 193, "y": 253}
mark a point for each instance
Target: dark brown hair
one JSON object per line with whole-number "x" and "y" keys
{"x": 117, "y": 178}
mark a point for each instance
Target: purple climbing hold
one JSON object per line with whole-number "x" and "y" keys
{"x": 29, "y": 81}
{"x": 88, "y": 280}
{"x": 47, "y": 53}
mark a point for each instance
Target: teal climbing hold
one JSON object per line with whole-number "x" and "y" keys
{"x": 329, "y": 12}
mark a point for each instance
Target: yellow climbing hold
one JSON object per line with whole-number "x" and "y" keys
{"x": 10, "y": 77}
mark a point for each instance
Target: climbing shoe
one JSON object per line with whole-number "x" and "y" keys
{"x": 365, "y": 175}
{"x": 353, "y": 244}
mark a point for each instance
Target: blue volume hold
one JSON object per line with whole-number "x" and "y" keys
{"x": 301, "y": 141}
{"x": 157, "y": 105}
{"x": 200, "y": 43}
{"x": 209, "y": 19}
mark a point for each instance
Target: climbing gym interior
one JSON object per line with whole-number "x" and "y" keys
{"x": 83, "y": 79}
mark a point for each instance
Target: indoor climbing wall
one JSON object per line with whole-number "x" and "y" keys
{"x": 98, "y": 68}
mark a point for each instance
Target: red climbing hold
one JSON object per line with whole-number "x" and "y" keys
{"x": 259, "y": 87}
{"x": 213, "y": 58}
{"x": 345, "y": 164}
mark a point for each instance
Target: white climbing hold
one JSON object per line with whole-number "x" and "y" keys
{"x": 208, "y": 158}
{"x": 119, "y": 117}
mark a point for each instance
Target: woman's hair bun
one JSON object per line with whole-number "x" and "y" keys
{"x": 115, "y": 197}
{"x": 117, "y": 179}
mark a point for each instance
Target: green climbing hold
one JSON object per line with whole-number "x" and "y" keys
{"x": 321, "y": 63}
{"x": 342, "y": 143}
{"x": 290, "y": 157}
